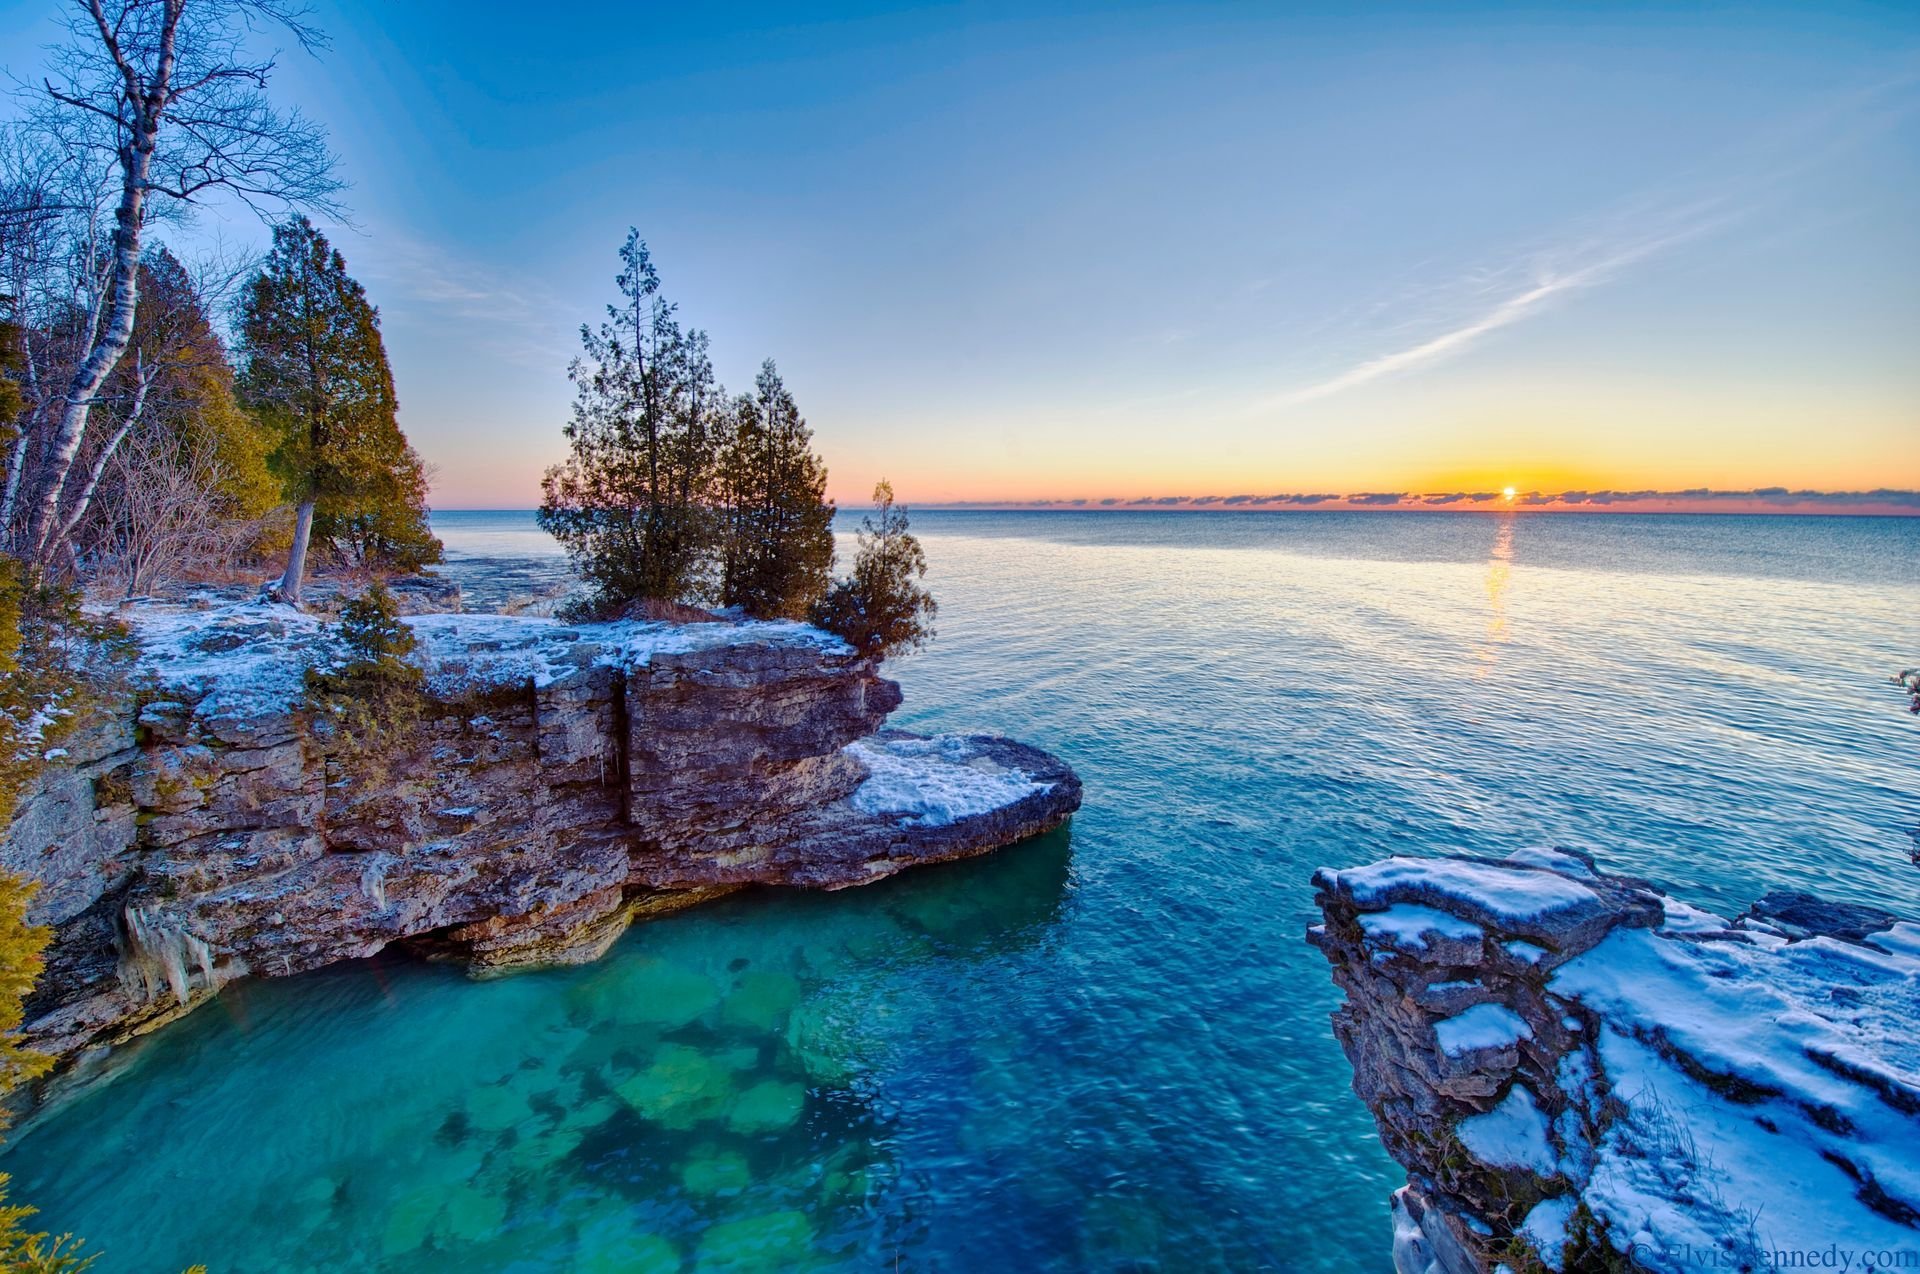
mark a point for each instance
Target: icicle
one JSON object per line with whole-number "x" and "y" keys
{"x": 165, "y": 955}
{"x": 373, "y": 880}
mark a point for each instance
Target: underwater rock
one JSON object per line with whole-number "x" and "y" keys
{"x": 683, "y": 1087}
{"x": 778, "y": 1241}
{"x": 760, "y": 1000}
{"x": 632, "y": 1253}
{"x": 1579, "y": 1072}
{"x": 715, "y": 1171}
{"x": 560, "y": 782}
{"x": 766, "y": 1107}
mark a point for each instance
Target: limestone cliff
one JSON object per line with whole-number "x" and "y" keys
{"x": 560, "y": 782}
{"x": 1579, "y": 1073}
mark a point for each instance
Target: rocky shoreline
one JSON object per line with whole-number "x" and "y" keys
{"x": 561, "y": 782}
{"x": 1581, "y": 1073}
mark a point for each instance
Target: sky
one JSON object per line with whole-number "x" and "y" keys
{"x": 1189, "y": 254}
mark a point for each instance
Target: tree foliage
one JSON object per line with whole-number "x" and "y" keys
{"x": 674, "y": 493}
{"x": 314, "y": 366}
{"x": 776, "y": 548}
{"x": 368, "y": 693}
{"x": 152, "y": 107}
{"x": 881, "y": 608}
{"x": 191, "y": 402}
{"x": 630, "y": 503}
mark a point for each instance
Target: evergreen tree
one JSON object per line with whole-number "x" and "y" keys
{"x": 316, "y": 370}
{"x": 631, "y": 504}
{"x": 881, "y": 609}
{"x": 777, "y": 542}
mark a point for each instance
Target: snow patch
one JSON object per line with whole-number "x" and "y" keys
{"x": 1481, "y": 1027}
{"x": 1511, "y": 894}
{"x": 1511, "y": 1135}
{"x": 937, "y": 781}
{"x": 1546, "y": 1228}
{"x": 1409, "y": 925}
{"x": 251, "y": 658}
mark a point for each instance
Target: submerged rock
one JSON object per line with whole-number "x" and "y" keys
{"x": 561, "y": 782}
{"x": 1577, "y": 1070}
{"x": 779, "y": 1241}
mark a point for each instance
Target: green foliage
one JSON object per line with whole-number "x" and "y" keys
{"x": 776, "y": 548}
{"x": 672, "y": 493}
{"x": 373, "y": 644}
{"x": 192, "y": 400}
{"x": 881, "y": 609}
{"x": 22, "y": 1252}
{"x": 385, "y": 528}
{"x": 370, "y": 694}
{"x": 12, "y": 400}
{"x": 630, "y": 503}
{"x": 46, "y": 647}
{"x": 315, "y": 369}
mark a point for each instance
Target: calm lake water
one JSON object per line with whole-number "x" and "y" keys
{"x": 1108, "y": 1052}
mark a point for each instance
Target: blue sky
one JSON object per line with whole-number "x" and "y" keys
{"x": 1011, "y": 252}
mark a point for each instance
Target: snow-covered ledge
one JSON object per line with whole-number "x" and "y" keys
{"x": 1579, "y": 1072}
{"x": 559, "y": 782}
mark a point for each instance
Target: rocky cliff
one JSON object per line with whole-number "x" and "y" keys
{"x": 1579, "y": 1073}
{"x": 559, "y": 782}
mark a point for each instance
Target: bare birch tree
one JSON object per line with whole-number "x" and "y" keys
{"x": 165, "y": 92}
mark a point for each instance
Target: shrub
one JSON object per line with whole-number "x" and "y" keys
{"x": 881, "y": 609}
{"x": 369, "y": 691}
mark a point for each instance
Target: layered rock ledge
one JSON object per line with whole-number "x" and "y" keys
{"x": 1580, "y": 1073}
{"x": 561, "y": 781}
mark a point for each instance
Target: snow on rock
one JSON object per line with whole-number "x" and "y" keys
{"x": 241, "y": 659}
{"x": 936, "y": 781}
{"x": 1512, "y": 1134}
{"x": 1702, "y": 1092}
{"x": 1484, "y": 1026}
{"x": 250, "y": 658}
{"x": 1410, "y": 925}
{"x": 1482, "y": 891}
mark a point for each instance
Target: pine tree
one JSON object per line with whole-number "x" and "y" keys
{"x": 881, "y": 609}
{"x": 777, "y": 541}
{"x": 632, "y": 502}
{"x": 316, "y": 369}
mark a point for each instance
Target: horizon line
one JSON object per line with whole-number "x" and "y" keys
{"x": 1764, "y": 501}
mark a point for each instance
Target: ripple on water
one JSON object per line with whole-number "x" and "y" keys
{"x": 1097, "y": 1055}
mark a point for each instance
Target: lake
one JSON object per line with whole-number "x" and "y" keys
{"x": 1103, "y": 1050}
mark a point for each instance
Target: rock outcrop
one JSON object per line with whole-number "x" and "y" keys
{"x": 559, "y": 782}
{"x": 1579, "y": 1073}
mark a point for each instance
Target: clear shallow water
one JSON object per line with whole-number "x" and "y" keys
{"x": 1105, "y": 1054}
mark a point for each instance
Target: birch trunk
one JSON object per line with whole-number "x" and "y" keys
{"x": 289, "y": 588}
{"x": 105, "y": 355}
{"x": 146, "y": 103}
{"x": 84, "y": 500}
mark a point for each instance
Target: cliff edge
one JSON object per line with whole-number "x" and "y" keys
{"x": 560, "y": 782}
{"x": 1580, "y": 1073}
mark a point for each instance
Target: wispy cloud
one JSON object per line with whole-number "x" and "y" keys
{"x": 1884, "y": 500}
{"x": 503, "y": 315}
{"x": 1427, "y": 326}
{"x": 1543, "y": 278}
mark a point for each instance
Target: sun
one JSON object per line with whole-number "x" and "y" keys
{"x": 1508, "y": 492}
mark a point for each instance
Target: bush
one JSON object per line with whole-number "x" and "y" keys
{"x": 881, "y": 609}
{"x": 369, "y": 691}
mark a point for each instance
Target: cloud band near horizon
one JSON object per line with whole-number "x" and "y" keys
{"x": 1883, "y": 501}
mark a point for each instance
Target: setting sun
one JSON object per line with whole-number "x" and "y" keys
{"x": 1508, "y": 492}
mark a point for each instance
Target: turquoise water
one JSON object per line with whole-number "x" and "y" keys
{"x": 1103, "y": 1053}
